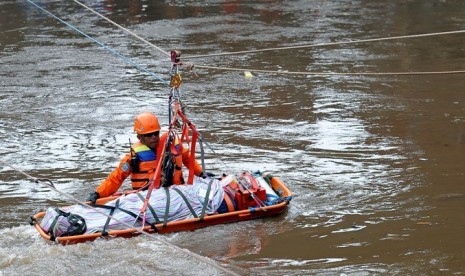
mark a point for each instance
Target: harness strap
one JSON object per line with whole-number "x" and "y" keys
{"x": 185, "y": 135}
{"x": 140, "y": 180}
{"x": 190, "y": 179}
{"x": 143, "y": 171}
{"x": 54, "y": 222}
{"x": 268, "y": 178}
{"x": 140, "y": 184}
{"x": 202, "y": 154}
{"x": 112, "y": 209}
{"x": 187, "y": 202}
{"x": 207, "y": 196}
{"x": 104, "y": 231}
{"x": 229, "y": 202}
{"x": 167, "y": 209}
{"x": 150, "y": 208}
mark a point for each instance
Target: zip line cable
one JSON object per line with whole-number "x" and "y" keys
{"x": 275, "y": 48}
{"x": 127, "y": 60}
{"x": 326, "y": 44}
{"x": 151, "y": 236}
{"x": 334, "y": 73}
{"x": 123, "y": 28}
{"x": 281, "y": 72}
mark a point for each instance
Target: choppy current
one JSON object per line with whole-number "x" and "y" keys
{"x": 376, "y": 163}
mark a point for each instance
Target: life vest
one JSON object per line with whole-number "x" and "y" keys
{"x": 148, "y": 162}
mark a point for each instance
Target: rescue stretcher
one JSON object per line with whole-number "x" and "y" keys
{"x": 246, "y": 211}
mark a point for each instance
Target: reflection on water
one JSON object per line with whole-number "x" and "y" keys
{"x": 375, "y": 163}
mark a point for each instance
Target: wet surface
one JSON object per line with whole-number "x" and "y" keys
{"x": 376, "y": 162}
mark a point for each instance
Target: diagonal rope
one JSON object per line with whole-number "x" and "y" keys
{"x": 123, "y": 28}
{"x": 127, "y": 60}
{"x": 275, "y": 48}
{"x": 151, "y": 236}
{"x": 280, "y": 72}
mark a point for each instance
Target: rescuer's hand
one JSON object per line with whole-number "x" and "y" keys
{"x": 93, "y": 197}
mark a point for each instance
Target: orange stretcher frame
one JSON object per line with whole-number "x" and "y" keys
{"x": 177, "y": 226}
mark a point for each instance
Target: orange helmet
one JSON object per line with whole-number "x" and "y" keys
{"x": 146, "y": 123}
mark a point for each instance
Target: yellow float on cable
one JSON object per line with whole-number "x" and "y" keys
{"x": 248, "y": 74}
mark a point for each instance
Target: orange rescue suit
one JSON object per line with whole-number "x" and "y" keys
{"x": 147, "y": 169}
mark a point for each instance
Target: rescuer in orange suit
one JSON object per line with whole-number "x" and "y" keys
{"x": 143, "y": 159}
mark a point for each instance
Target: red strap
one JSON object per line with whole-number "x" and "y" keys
{"x": 229, "y": 203}
{"x": 195, "y": 135}
{"x": 185, "y": 134}
{"x": 190, "y": 179}
{"x": 154, "y": 183}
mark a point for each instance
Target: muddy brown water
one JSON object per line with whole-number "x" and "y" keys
{"x": 376, "y": 162}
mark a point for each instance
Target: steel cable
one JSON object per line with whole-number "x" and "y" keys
{"x": 281, "y": 72}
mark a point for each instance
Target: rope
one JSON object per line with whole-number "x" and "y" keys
{"x": 326, "y": 44}
{"x": 297, "y": 47}
{"x": 192, "y": 254}
{"x": 331, "y": 44}
{"x": 123, "y": 28}
{"x": 127, "y": 60}
{"x": 275, "y": 48}
{"x": 334, "y": 73}
{"x": 36, "y": 180}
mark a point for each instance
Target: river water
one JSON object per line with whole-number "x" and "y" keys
{"x": 376, "y": 162}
